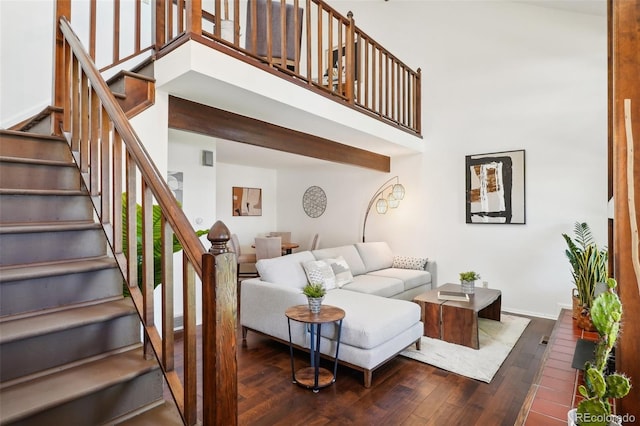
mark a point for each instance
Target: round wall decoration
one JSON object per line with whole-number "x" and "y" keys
{"x": 314, "y": 201}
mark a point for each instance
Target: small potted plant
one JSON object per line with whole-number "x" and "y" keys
{"x": 588, "y": 268}
{"x": 601, "y": 386}
{"x": 315, "y": 294}
{"x": 468, "y": 280}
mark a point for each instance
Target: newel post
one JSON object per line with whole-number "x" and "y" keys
{"x": 63, "y": 8}
{"x": 219, "y": 325}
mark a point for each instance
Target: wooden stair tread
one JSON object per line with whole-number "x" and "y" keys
{"x": 12, "y": 228}
{"x": 62, "y": 267}
{"x": 134, "y": 74}
{"x": 164, "y": 414}
{"x": 35, "y": 161}
{"x": 11, "y": 330}
{"x": 29, "y": 135}
{"x": 24, "y": 399}
{"x": 42, "y": 192}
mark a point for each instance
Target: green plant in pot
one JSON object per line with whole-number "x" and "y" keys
{"x": 315, "y": 294}
{"x": 468, "y": 280}
{"x": 588, "y": 268}
{"x": 600, "y": 386}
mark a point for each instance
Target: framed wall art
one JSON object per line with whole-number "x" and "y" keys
{"x": 495, "y": 187}
{"x": 246, "y": 201}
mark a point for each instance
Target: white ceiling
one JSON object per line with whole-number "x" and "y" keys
{"x": 589, "y": 7}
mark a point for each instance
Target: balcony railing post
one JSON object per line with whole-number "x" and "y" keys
{"x": 219, "y": 324}
{"x": 194, "y": 16}
{"x": 217, "y": 25}
{"x": 160, "y": 16}
{"x": 350, "y": 58}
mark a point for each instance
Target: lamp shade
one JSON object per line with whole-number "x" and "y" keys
{"x": 394, "y": 193}
{"x": 381, "y": 206}
{"x": 398, "y": 191}
{"x": 393, "y": 201}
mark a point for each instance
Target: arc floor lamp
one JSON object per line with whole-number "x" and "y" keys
{"x": 396, "y": 193}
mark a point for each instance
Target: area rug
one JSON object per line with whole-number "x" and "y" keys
{"x": 496, "y": 341}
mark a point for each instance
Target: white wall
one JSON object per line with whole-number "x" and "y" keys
{"x": 26, "y": 58}
{"x": 496, "y": 76}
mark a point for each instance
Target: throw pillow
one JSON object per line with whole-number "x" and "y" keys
{"x": 341, "y": 270}
{"x": 319, "y": 271}
{"x": 409, "y": 262}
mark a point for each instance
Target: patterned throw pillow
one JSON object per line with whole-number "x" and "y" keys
{"x": 409, "y": 262}
{"x": 341, "y": 270}
{"x": 319, "y": 271}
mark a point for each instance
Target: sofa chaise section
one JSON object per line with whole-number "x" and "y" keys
{"x": 376, "y": 326}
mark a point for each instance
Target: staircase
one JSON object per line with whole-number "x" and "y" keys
{"x": 70, "y": 344}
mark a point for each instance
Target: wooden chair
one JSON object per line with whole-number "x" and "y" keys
{"x": 256, "y": 38}
{"x": 286, "y": 236}
{"x": 243, "y": 259}
{"x": 268, "y": 247}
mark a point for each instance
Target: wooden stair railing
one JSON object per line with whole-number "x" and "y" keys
{"x": 330, "y": 54}
{"x": 112, "y": 161}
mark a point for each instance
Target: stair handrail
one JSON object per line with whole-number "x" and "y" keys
{"x": 161, "y": 192}
{"x": 96, "y": 128}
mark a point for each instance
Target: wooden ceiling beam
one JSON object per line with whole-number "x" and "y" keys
{"x": 195, "y": 117}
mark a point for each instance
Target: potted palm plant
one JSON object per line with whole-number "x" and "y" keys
{"x": 601, "y": 386}
{"x": 315, "y": 294}
{"x": 157, "y": 242}
{"x": 588, "y": 268}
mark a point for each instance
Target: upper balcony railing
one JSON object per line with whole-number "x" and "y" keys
{"x": 307, "y": 40}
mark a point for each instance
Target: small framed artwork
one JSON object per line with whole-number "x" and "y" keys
{"x": 246, "y": 201}
{"x": 495, "y": 188}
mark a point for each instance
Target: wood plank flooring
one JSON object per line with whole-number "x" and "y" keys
{"x": 404, "y": 391}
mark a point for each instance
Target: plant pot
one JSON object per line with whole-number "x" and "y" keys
{"x": 584, "y": 321}
{"x": 315, "y": 303}
{"x": 468, "y": 287}
{"x": 577, "y": 307}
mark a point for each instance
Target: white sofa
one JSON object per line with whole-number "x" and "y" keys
{"x": 380, "y": 320}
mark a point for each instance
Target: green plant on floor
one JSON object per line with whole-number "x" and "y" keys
{"x": 600, "y": 387}
{"x": 588, "y": 263}
{"x": 157, "y": 241}
{"x": 314, "y": 290}
{"x": 469, "y": 276}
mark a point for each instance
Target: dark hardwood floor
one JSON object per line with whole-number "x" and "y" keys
{"x": 403, "y": 392}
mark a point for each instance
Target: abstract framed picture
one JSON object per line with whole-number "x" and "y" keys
{"x": 495, "y": 188}
{"x": 246, "y": 201}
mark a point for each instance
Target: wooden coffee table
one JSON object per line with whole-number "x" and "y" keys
{"x": 457, "y": 322}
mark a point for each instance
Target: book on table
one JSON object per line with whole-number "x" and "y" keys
{"x": 453, "y": 295}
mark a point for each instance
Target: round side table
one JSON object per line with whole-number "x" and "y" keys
{"x": 314, "y": 377}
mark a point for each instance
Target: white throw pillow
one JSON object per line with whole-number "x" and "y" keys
{"x": 285, "y": 270}
{"x": 319, "y": 271}
{"x": 341, "y": 270}
{"x": 409, "y": 262}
